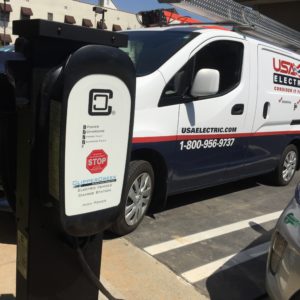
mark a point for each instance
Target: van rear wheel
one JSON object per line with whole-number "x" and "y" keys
{"x": 138, "y": 193}
{"x": 287, "y": 166}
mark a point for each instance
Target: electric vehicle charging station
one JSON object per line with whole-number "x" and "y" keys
{"x": 73, "y": 101}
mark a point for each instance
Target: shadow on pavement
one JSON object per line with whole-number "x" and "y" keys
{"x": 245, "y": 281}
{"x": 212, "y": 192}
{"x": 194, "y": 196}
{"x": 8, "y": 229}
{"x": 7, "y": 297}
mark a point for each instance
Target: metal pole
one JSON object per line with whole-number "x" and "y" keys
{"x": 103, "y": 20}
{"x": 4, "y": 22}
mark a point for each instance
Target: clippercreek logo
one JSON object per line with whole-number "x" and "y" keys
{"x": 98, "y": 102}
{"x": 286, "y": 73}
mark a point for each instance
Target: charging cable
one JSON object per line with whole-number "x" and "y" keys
{"x": 87, "y": 269}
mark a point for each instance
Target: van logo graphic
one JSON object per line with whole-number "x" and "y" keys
{"x": 286, "y": 73}
{"x": 286, "y": 67}
{"x": 99, "y": 102}
{"x": 297, "y": 70}
{"x": 296, "y": 104}
{"x": 281, "y": 100}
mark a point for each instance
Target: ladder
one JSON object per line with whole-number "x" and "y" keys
{"x": 248, "y": 21}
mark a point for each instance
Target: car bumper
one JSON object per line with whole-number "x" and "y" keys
{"x": 283, "y": 267}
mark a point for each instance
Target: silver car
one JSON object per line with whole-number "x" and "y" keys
{"x": 283, "y": 267}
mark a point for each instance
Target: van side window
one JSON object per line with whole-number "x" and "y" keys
{"x": 179, "y": 86}
{"x": 224, "y": 56}
{"x": 227, "y": 58}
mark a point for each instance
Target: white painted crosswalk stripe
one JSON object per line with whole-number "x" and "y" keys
{"x": 225, "y": 263}
{"x": 208, "y": 234}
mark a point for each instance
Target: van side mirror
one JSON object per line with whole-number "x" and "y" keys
{"x": 206, "y": 83}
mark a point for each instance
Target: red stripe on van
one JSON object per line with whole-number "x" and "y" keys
{"x": 154, "y": 139}
{"x": 173, "y": 138}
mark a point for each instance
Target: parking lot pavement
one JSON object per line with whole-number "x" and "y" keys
{"x": 212, "y": 241}
{"x": 217, "y": 239}
{"x": 126, "y": 271}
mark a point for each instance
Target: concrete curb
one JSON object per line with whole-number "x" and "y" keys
{"x": 139, "y": 276}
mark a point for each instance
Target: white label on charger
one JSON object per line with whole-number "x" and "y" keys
{"x": 97, "y": 128}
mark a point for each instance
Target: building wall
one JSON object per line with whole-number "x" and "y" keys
{"x": 60, "y": 8}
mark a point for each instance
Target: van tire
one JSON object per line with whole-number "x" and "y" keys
{"x": 287, "y": 166}
{"x": 140, "y": 183}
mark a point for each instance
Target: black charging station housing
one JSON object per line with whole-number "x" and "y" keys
{"x": 59, "y": 56}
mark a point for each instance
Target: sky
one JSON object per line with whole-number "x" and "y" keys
{"x": 138, "y": 5}
{"x": 135, "y": 6}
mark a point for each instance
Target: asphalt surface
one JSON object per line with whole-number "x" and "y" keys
{"x": 214, "y": 240}
{"x": 217, "y": 239}
{"x": 126, "y": 271}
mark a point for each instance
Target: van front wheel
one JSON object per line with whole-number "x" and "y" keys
{"x": 287, "y": 166}
{"x": 138, "y": 193}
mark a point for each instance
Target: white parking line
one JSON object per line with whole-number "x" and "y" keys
{"x": 208, "y": 234}
{"x": 225, "y": 263}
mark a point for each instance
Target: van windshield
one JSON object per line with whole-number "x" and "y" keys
{"x": 150, "y": 49}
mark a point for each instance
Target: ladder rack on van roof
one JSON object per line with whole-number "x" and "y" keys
{"x": 246, "y": 19}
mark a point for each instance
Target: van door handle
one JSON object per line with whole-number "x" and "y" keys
{"x": 237, "y": 109}
{"x": 266, "y": 109}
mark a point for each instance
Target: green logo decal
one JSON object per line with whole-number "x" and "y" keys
{"x": 291, "y": 219}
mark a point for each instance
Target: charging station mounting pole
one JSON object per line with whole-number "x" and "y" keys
{"x": 63, "y": 85}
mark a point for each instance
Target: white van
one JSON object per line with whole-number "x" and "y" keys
{"x": 212, "y": 106}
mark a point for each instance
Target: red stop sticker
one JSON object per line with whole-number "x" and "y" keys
{"x": 96, "y": 161}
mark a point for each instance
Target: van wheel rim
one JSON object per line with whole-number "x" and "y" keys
{"x": 289, "y": 166}
{"x": 138, "y": 199}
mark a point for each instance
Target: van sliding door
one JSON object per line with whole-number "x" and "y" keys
{"x": 275, "y": 107}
